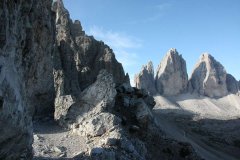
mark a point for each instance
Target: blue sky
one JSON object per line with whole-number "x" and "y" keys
{"x": 141, "y": 30}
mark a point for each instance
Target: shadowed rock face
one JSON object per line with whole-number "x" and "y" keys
{"x": 239, "y": 85}
{"x": 26, "y": 80}
{"x": 232, "y": 84}
{"x": 145, "y": 79}
{"x": 171, "y": 77}
{"x": 209, "y": 77}
{"x": 80, "y": 57}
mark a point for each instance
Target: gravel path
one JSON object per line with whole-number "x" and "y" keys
{"x": 51, "y": 141}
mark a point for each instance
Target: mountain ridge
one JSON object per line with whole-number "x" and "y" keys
{"x": 210, "y": 69}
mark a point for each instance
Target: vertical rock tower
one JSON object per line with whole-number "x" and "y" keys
{"x": 209, "y": 77}
{"x": 171, "y": 78}
{"x": 145, "y": 79}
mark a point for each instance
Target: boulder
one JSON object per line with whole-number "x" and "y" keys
{"x": 98, "y": 124}
{"x": 171, "y": 78}
{"x": 95, "y": 99}
{"x": 145, "y": 79}
{"x": 134, "y": 106}
{"x": 62, "y": 104}
{"x": 209, "y": 77}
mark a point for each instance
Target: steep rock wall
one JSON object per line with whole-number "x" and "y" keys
{"x": 26, "y": 82}
{"x": 171, "y": 77}
{"x": 209, "y": 77}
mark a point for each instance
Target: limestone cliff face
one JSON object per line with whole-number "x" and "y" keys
{"x": 145, "y": 79}
{"x": 80, "y": 57}
{"x": 26, "y": 80}
{"x": 209, "y": 77}
{"x": 65, "y": 70}
{"x": 171, "y": 77}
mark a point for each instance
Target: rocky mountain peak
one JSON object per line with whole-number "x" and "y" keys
{"x": 59, "y": 9}
{"x": 209, "y": 77}
{"x": 172, "y": 51}
{"x": 171, "y": 57}
{"x": 171, "y": 78}
{"x": 207, "y": 58}
{"x": 206, "y": 55}
{"x": 145, "y": 79}
{"x": 149, "y": 68}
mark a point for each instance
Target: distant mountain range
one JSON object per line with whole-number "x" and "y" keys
{"x": 209, "y": 78}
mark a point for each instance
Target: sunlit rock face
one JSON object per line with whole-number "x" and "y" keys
{"x": 171, "y": 77}
{"x": 145, "y": 79}
{"x": 209, "y": 77}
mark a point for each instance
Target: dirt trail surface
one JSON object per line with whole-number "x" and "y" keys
{"x": 188, "y": 120}
{"x": 51, "y": 141}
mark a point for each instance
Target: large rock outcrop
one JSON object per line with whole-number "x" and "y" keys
{"x": 232, "y": 84}
{"x": 171, "y": 77}
{"x": 118, "y": 123}
{"x": 145, "y": 79}
{"x": 26, "y": 80}
{"x": 69, "y": 110}
{"x": 93, "y": 115}
{"x": 209, "y": 77}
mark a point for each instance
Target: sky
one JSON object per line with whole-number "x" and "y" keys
{"x": 139, "y": 30}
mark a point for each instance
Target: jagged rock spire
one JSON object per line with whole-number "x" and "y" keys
{"x": 209, "y": 77}
{"x": 171, "y": 77}
{"x": 80, "y": 57}
{"x": 145, "y": 79}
